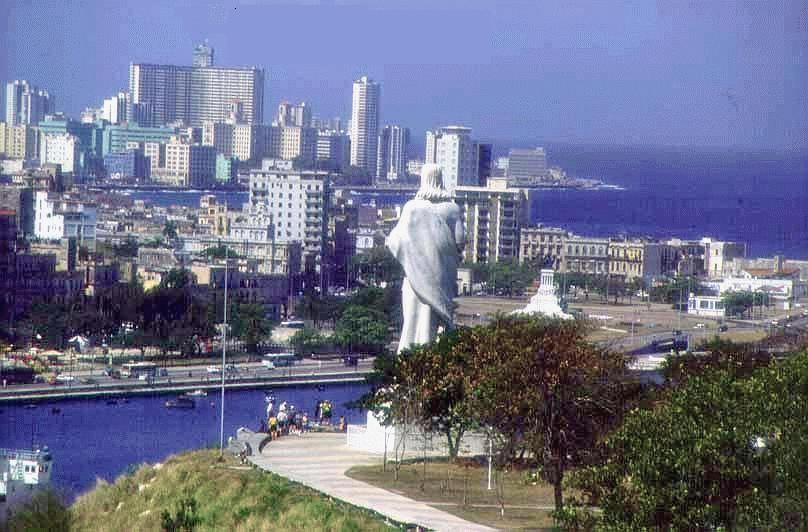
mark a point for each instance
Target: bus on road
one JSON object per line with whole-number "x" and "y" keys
{"x": 134, "y": 370}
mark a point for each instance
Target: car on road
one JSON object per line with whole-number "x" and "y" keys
{"x": 268, "y": 364}
{"x": 63, "y": 377}
{"x": 213, "y": 369}
{"x": 722, "y": 328}
{"x": 699, "y": 326}
{"x": 677, "y": 332}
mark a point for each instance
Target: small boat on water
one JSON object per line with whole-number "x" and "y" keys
{"x": 56, "y": 410}
{"x": 30, "y": 406}
{"x": 196, "y": 393}
{"x": 180, "y": 402}
{"x": 112, "y": 401}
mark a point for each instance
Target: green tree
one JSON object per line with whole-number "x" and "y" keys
{"x": 170, "y": 230}
{"x": 377, "y": 266}
{"x": 540, "y": 385}
{"x": 436, "y": 375}
{"x": 738, "y": 303}
{"x": 307, "y": 340}
{"x": 361, "y": 329}
{"x": 250, "y": 325}
{"x": 719, "y": 452}
{"x": 219, "y": 252}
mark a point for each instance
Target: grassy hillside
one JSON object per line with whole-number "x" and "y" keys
{"x": 212, "y": 496}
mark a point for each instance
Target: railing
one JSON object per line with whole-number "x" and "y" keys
{"x": 24, "y": 454}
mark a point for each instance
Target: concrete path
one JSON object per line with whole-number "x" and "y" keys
{"x": 320, "y": 460}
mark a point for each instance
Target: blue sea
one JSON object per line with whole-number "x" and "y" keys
{"x": 756, "y": 197}
{"x": 91, "y": 439}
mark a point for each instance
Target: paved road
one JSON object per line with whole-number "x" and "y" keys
{"x": 319, "y": 460}
{"x": 94, "y": 379}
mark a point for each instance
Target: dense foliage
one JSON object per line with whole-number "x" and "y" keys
{"x": 719, "y": 452}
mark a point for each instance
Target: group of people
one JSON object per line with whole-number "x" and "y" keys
{"x": 288, "y": 421}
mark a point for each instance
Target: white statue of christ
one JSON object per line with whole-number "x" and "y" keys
{"x": 427, "y": 241}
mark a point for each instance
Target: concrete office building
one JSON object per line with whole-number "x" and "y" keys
{"x": 365, "y": 124}
{"x": 391, "y": 160}
{"x": 115, "y": 139}
{"x": 195, "y": 94}
{"x": 494, "y": 216}
{"x": 26, "y": 104}
{"x": 455, "y": 152}
{"x": 526, "y": 166}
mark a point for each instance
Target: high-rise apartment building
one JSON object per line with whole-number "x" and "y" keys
{"x": 195, "y": 94}
{"x": 333, "y": 150}
{"x": 526, "y": 167}
{"x": 365, "y": 124}
{"x": 294, "y": 206}
{"x": 190, "y": 165}
{"x": 391, "y": 160}
{"x": 26, "y": 104}
{"x": 453, "y": 149}
{"x": 115, "y": 108}
{"x": 484, "y": 162}
{"x": 494, "y": 216}
{"x": 294, "y": 115}
{"x": 203, "y": 55}
{"x": 19, "y": 142}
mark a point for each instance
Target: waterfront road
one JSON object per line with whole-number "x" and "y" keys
{"x": 90, "y": 382}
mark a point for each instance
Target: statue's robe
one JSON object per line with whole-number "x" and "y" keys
{"x": 426, "y": 241}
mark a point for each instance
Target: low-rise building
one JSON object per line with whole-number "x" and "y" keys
{"x": 212, "y": 217}
{"x": 246, "y": 284}
{"x": 718, "y": 253}
{"x": 586, "y": 255}
{"x": 635, "y": 258}
{"x": 541, "y": 243}
{"x": 58, "y": 216}
{"x": 707, "y": 306}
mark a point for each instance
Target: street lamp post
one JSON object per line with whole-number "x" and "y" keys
{"x": 224, "y": 354}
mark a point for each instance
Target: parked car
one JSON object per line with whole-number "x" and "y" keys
{"x": 699, "y": 326}
{"x": 722, "y": 328}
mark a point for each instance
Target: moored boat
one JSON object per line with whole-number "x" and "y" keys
{"x": 180, "y": 402}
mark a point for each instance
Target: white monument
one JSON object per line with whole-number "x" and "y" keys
{"x": 427, "y": 241}
{"x": 545, "y": 302}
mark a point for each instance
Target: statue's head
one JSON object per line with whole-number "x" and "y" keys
{"x": 432, "y": 184}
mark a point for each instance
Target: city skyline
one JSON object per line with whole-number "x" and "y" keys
{"x": 664, "y": 73}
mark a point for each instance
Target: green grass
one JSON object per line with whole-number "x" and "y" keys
{"x": 228, "y": 497}
{"x": 449, "y": 485}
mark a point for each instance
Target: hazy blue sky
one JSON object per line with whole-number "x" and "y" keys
{"x": 704, "y": 72}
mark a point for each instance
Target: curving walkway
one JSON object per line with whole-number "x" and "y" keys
{"x": 319, "y": 461}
